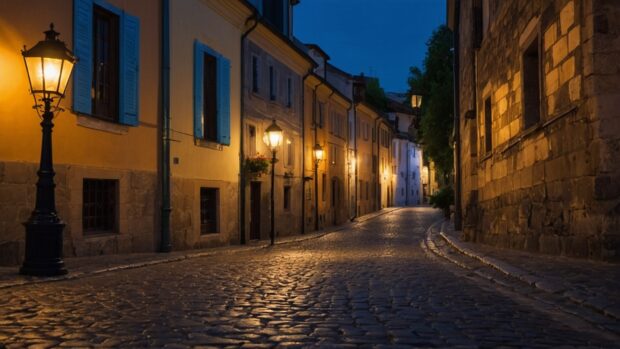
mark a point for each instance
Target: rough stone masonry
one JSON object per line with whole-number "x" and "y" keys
{"x": 543, "y": 178}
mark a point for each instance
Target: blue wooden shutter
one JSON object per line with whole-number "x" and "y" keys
{"x": 223, "y": 100}
{"x": 198, "y": 86}
{"x": 83, "y": 49}
{"x": 129, "y": 70}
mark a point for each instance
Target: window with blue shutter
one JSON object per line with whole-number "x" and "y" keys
{"x": 106, "y": 76}
{"x": 211, "y": 95}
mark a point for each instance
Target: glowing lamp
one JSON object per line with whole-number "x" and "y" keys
{"x": 49, "y": 65}
{"x": 273, "y": 136}
{"x": 318, "y": 152}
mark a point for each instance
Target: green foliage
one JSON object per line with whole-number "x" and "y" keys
{"x": 443, "y": 199}
{"x": 375, "y": 95}
{"x": 436, "y": 82}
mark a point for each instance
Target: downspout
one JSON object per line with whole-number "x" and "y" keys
{"x": 457, "y": 123}
{"x": 242, "y": 178}
{"x": 378, "y": 172}
{"x": 407, "y": 178}
{"x": 316, "y": 166}
{"x": 356, "y": 159}
{"x": 349, "y": 162}
{"x": 303, "y": 151}
{"x": 165, "y": 245}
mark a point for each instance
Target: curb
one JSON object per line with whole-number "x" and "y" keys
{"x": 524, "y": 276}
{"x": 261, "y": 245}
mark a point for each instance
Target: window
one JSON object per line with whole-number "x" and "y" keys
{"x": 255, "y": 76}
{"x": 208, "y": 210}
{"x": 473, "y": 135}
{"x": 209, "y": 104}
{"x": 211, "y": 95}
{"x": 488, "y": 123}
{"x": 99, "y": 205}
{"x": 531, "y": 84}
{"x": 251, "y": 140}
{"x": 290, "y": 152}
{"x": 106, "y": 41}
{"x": 289, "y": 93}
{"x": 105, "y": 64}
{"x": 287, "y": 198}
{"x": 272, "y": 83}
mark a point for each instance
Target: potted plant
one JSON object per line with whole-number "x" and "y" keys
{"x": 443, "y": 199}
{"x": 256, "y": 166}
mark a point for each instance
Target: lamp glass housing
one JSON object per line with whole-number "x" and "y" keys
{"x": 318, "y": 152}
{"x": 273, "y": 136}
{"x": 416, "y": 100}
{"x": 49, "y": 65}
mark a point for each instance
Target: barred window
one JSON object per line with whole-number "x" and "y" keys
{"x": 99, "y": 205}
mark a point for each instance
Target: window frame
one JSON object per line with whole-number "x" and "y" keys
{"x": 534, "y": 41}
{"x": 204, "y": 228}
{"x": 112, "y": 228}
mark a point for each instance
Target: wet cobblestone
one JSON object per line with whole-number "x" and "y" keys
{"x": 367, "y": 286}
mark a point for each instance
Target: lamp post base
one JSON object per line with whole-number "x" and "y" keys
{"x": 43, "y": 249}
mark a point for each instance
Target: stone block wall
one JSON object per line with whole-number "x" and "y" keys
{"x": 136, "y": 223}
{"x": 537, "y": 188}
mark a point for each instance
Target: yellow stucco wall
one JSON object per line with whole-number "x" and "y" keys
{"x": 197, "y": 20}
{"x": 129, "y": 147}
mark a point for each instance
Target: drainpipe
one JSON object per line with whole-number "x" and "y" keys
{"x": 356, "y": 159}
{"x": 303, "y": 151}
{"x": 166, "y": 209}
{"x": 407, "y": 178}
{"x": 378, "y": 172}
{"x": 316, "y": 166}
{"x": 242, "y": 178}
{"x": 457, "y": 124}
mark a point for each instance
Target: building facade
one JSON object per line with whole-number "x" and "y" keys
{"x": 273, "y": 90}
{"x": 538, "y": 117}
{"x": 205, "y": 92}
{"x": 105, "y": 141}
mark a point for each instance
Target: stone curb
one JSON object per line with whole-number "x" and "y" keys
{"x": 524, "y": 276}
{"x": 261, "y": 245}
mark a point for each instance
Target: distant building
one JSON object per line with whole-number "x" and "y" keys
{"x": 407, "y": 155}
{"x": 538, "y": 118}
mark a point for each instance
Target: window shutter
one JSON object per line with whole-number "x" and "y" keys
{"x": 83, "y": 49}
{"x": 129, "y": 68}
{"x": 223, "y": 100}
{"x": 198, "y": 95}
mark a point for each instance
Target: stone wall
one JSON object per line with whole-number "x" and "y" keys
{"x": 185, "y": 216}
{"x": 536, "y": 189}
{"x": 136, "y": 221}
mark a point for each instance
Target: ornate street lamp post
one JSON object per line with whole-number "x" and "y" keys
{"x": 318, "y": 156}
{"x": 48, "y": 64}
{"x": 273, "y": 139}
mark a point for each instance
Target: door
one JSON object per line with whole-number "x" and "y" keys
{"x": 335, "y": 203}
{"x": 255, "y": 211}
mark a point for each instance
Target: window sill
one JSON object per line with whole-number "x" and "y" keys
{"x": 102, "y": 125}
{"x": 208, "y": 144}
{"x": 208, "y": 235}
{"x": 99, "y": 234}
{"x": 486, "y": 156}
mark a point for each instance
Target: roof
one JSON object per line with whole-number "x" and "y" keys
{"x": 319, "y": 50}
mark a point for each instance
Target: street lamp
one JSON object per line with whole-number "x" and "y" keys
{"x": 416, "y": 100}
{"x": 48, "y": 65}
{"x": 273, "y": 139}
{"x": 318, "y": 156}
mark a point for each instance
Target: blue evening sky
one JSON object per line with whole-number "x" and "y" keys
{"x": 381, "y": 38}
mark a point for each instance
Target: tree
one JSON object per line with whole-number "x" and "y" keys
{"x": 436, "y": 82}
{"x": 375, "y": 95}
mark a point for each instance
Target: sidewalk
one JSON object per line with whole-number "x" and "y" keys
{"x": 80, "y": 267}
{"x": 592, "y": 284}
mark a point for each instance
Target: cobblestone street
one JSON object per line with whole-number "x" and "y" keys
{"x": 369, "y": 285}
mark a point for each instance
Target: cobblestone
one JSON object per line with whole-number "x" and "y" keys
{"x": 370, "y": 285}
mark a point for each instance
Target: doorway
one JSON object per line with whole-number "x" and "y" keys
{"x": 255, "y": 206}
